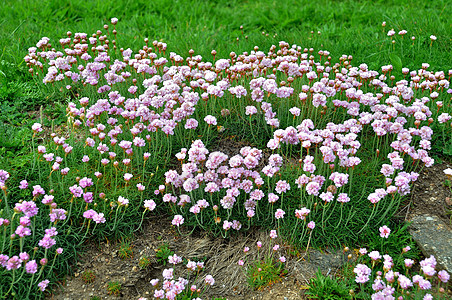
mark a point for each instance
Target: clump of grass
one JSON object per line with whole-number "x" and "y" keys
{"x": 125, "y": 250}
{"x": 263, "y": 273}
{"x": 88, "y": 276}
{"x": 113, "y": 288}
{"x": 326, "y": 287}
{"x": 144, "y": 262}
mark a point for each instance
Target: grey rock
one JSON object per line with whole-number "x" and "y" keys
{"x": 434, "y": 237}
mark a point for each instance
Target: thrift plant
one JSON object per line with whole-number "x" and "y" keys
{"x": 331, "y": 148}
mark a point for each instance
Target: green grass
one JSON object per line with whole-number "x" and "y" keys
{"x": 347, "y": 27}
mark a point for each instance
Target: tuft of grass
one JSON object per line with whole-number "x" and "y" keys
{"x": 113, "y": 288}
{"x": 325, "y": 287}
{"x": 263, "y": 273}
{"x": 88, "y": 276}
{"x": 125, "y": 250}
{"x": 144, "y": 262}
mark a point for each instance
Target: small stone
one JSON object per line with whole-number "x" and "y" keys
{"x": 449, "y": 201}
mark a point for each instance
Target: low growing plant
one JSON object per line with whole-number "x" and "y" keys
{"x": 327, "y": 288}
{"x": 144, "y": 262}
{"x": 162, "y": 253}
{"x": 88, "y": 276}
{"x": 125, "y": 250}
{"x": 113, "y": 288}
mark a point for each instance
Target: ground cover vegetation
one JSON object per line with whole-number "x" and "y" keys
{"x": 111, "y": 112}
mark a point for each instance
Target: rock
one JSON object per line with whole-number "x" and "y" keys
{"x": 434, "y": 237}
{"x": 449, "y": 201}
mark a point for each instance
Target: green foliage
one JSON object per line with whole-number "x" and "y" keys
{"x": 162, "y": 253}
{"x": 326, "y": 288}
{"x": 398, "y": 239}
{"x": 263, "y": 273}
{"x": 113, "y": 288}
{"x": 125, "y": 249}
{"x": 88, "y": 276}
{"x": 144, "y": 262}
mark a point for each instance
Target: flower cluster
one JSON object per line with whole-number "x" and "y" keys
{"x": 171, "y": 288}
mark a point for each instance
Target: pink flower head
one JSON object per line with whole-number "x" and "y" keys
{"x": 443, "y": 276}
{"x": 311, "y": 225}
{"x": 23, "y": 185}
{"x": 384, "y": 231}
{"x": 250, "y": 110}
{"x": 127, "y": 176}
{"x": 211, "y": 120}
{"x": 343, "y": 198}
{"x": 374, "y": 255}
{"x": 43, "y": 284}
{"x": 168, "y": 273}
{"x": 31, "y": 267}
{"x": 178, "y": 220}
{"x": 149, "y": 204}
{"x": 279, "y": 214}
{"x": 36, "y": 127}
{"x": 273, "y": 234}
{"x": 282, "y": 186}
{"x": 123, "y": 201}
{"x": 209, "y": 280}
{"x": 409, "y": 262}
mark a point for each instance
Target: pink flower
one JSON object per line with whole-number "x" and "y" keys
{"x": 36, "y": 127}
{"x": 178, "y": 220}
{"x": 409, "y": 262}
{"x": 384, "y": 231}
{"x": 127, "y": 176}
{"x": 31, "y": 267}
{"x": 149, "y": 204}
{"x": 122, "y": 201}
{"x": 211, "y": 120}
{"x": 343, "y": 198}
{"x": 443, "y": 276}
{"x": 250, "y": 110}
{"x": 282, "y": 259}
{"x": 209, "y": 280}
{"x": 23, "y": 185}
{"x": 241, "y": 262}
{"x": 282, "y": 186}
{"x": 295, "y": 111}
{"x": 154, "y": 282}
{"x": 302, "y": 213}
{"x": 374, "y": 255}
{"x": 168, "y": 273}
{"x": 279, "y": 214}
{"x": 311, "y": 225}
{"x": 140, "y": 187}
{"x": 273, "y": 234}
{"x": 43, "y": 284}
